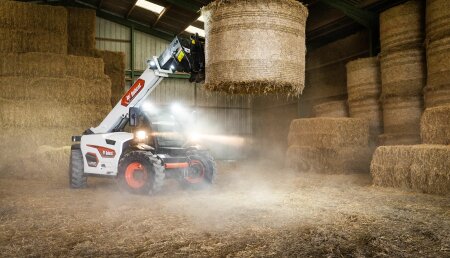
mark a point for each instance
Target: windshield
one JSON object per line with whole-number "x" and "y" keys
{"x": 168, "y": 132}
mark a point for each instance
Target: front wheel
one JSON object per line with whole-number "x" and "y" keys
{"x": 77, "y": 179}
{"x": 140, "y": 173}
{"x": 201, "y": 172}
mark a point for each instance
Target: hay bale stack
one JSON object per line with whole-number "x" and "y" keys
{"x": 70, "y": 90}
{"x": 27, "y": 27}
{"x": 437, "y": 92}
{"x": 329, "y": 145}
{"x": 435, "y": 125}
{"x": 363, "y": 79}
{"x": 45, "y": 163}
{"x": 51, "y": 65}
{"x": 328, "y": 132}
{"x": 270, "y": 56}
{"x": 46, "y": 96}
{"x": 329, "y": 160}
{"x": 331, "y": 109}
{"x": 422, "y": 168}
{"x": 364, "y": 89}
{"x": 115, "y": 69}
{"x": 369, "y": 109}
{"x": 32, "y": 113}
{"x": 390, "y": 139}
{"x": 27, "y": 140}
{"x": 402, "y": 27}
{"x": 438, "y": 19}
{"x": 402, "y": 115}
{"x": 403, "y": 72}
{"x": 81, "y": 30}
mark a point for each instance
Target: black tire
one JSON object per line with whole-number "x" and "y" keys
{"x": 150, "y": 171}
{"x": 205, "y": 161}
{"x": 77, "y": 179}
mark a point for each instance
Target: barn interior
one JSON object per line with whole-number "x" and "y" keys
{"x": 328, "y": 134}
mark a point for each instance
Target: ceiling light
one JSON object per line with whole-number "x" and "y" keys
{"x": 193, "y": 30}
{"x": 201, "y": 18}
{"x": 150, "y": 6}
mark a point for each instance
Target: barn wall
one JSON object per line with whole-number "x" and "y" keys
{"x": 222, "y": 115}
{"x": 325, "y": 80}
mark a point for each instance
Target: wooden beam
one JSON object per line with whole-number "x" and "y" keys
{"x": 161, "y": 15}
{"x": 131, "y": 9}
{"x": 186, "y": 4}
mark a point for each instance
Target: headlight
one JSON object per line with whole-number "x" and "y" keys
{"x": 140, "y": 135}
{"x": 193, "y": 137}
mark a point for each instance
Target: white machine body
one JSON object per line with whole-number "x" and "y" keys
{"x": 103, "y": 146}
{"x": 102, "y": 150}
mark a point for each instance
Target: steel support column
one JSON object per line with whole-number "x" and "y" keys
{"x": 132, "y": 52}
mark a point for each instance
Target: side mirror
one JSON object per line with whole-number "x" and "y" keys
{"x": 133, "y": 116}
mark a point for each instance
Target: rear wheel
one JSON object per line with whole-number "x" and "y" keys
{"x": 77, "y": 179}
{"x": 201, "y": 171}
{"x": 140, "y": 173}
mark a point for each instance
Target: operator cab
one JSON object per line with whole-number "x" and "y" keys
{"x": 166, "y": 132}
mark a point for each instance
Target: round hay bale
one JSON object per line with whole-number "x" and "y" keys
{"x": 329, "y": 160}
{"x": 255, "y": 47}
{"x": 437, "y": 19}
{"x": 67, "y": 89}
{"x": 403, "y": 73}
{"x": 435, "y": 97}
{"x": 402, "y": 27}
{"x": 32, "y": 17}
{"x": 390, "y": 139}
{"x": 363, "y": 79}
{"x": 23, "y": 41}
{"x": 435, "y": 125}
{"x": 331, "y": 109}
{"x": 32, "y": 114}
{"x": 402, "y": 115}
{"x": 422, "y": 168}
{"x": 369, "y": 109}
{"x": 438, "y": 59}
{"x": 329, "y": 132}
{"x": 81, "y": 29}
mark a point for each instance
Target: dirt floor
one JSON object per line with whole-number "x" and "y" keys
{"x": 252, "y": 211}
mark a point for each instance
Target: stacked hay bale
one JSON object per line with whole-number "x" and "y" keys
{"x": 364, "y": 89}
{"x": 24, "y": 28}
{"x": 81, "y": 29}
{"x": 270, "y": 56}
{"x": 336, "y": 108}
{"x": 45, "y": 98}
{"x": 329, "y": 145}
{"x": 437, "y": 92}
{"x": 422, "y": 168}
{"x": 115, "y": 69}
{"x": 403, "y": 72}
{"x": 435, "y": 125}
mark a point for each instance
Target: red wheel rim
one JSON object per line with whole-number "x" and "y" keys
{"x": 196, "y": 172}
{"x": 136, "y": 175}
